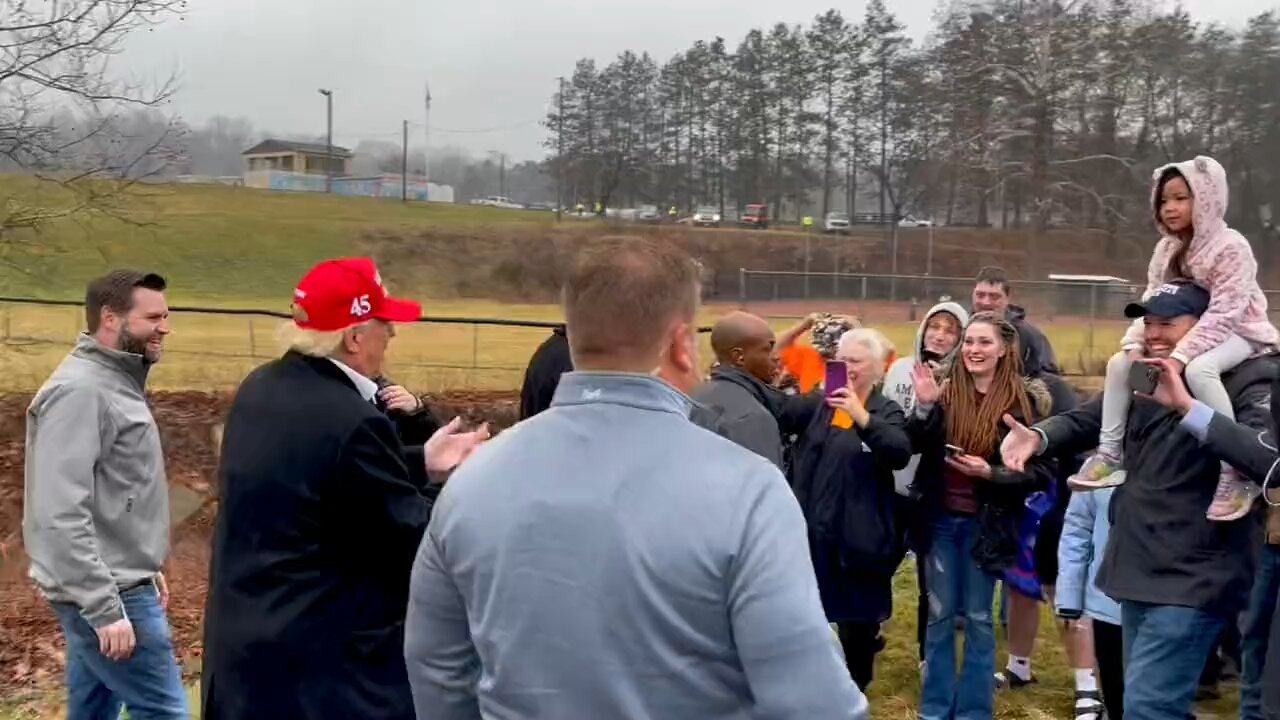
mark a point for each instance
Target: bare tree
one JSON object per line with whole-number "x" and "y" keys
{"x": 66, "y": 120}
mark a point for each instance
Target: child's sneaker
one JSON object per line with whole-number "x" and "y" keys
{"x": 1098, "y": 472}
{"x": 1233, "y": 499}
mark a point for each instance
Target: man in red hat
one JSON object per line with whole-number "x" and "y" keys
{"x": 321, "y": 513}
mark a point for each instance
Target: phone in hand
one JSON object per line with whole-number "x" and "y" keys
{"x": 1143, "y": 377}
{"x": 954, "y": 450}
{"x": 837, "y": 377}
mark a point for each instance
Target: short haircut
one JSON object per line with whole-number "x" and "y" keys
{"x": 114, "y": 291}
{"x": 874, "y": 341}
{"x": 623, "y": 294}
{"x": 992, "y": 275}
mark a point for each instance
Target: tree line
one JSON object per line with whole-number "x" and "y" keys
{"x": 1018, "y": 113}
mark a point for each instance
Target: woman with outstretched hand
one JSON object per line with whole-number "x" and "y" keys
{"x": 974, "y": 504}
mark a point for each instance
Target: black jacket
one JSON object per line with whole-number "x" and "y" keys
{"x": 1162, "y": 550}
{"x": 1001, "y": 499}
{"x": 542, "y": 377}
{"x": 1037, "y": 353}
{"x": 414, "y": 428}
{"x": 320, "y": 518}
{"x": 843, "y": 480}
{"x": 734, "y": 405}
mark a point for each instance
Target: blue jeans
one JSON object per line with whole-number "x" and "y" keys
{"x": 147, "y": 683}
{"x": 1257, "y": 632}
{"x": 957, "y": 586}
{"x": 1165, "y": 648}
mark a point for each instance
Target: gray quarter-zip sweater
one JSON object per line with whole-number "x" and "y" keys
{"x": 96, "y": 505}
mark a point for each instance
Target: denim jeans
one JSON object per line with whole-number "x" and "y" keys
{"x": 957, "y": 586}
{"x": 147, "y": 683}
{"x": 1257, "y": 633}
{"x": 1165, "y": 648}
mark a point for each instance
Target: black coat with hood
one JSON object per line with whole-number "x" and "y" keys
{"x": 551, "y": 360}
{"x": 1001, "y": 500}
{"x": 843, "y": 479}
{"x": 734, "y": 404}
{"x": 1037, "y": 353}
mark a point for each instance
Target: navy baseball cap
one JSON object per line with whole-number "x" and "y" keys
{"x": 1171, "y": 300}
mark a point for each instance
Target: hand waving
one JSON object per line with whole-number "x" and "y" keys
{"x": 927, "y": 390}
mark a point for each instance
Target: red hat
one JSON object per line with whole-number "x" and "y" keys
{"x": 337, "y": 294}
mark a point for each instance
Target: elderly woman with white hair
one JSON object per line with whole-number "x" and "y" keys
{"x": 850, "y": 443}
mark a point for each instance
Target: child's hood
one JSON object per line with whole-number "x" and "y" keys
{"x": 1208, "y": 181}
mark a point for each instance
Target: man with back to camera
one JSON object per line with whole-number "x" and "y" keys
{"x": 321, "y": 511}
{"x": 96, "y": 508}
{"x": 610, "y": 559}
{"x": 736, "y": 397}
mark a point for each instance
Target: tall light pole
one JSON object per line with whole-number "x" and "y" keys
{"x": 560, "y": 149}
{"x": 328, "y": 155}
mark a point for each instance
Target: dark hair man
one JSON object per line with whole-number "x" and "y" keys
{"x": 993, "y": 292}
{"x": 96, "y": 517}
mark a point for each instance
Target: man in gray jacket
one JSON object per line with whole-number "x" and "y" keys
{"x": 96, "y": 511}
{"x": 733, "y": 401}
{"x": 610, "y": 559}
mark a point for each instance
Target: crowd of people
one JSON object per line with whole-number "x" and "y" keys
{"x": 651, "y": 541}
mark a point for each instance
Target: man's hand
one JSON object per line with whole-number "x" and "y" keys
{"x": 398, "y": 399}
{"x": 1171, "y": 390}
{"x": 1020, "y": 445}
{"x": 449, "y": 446}
{"x": 116, "y": 641}
{"x": 162, "y": 591}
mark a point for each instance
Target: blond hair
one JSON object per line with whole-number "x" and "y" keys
{"x": 312, "y": 343}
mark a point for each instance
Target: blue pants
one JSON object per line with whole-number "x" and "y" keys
{"x": 1256, "y": 633}
{"x": 957, "y": 586}
{"x": 1165, "y": 648}
{"x": 147, "y": 683}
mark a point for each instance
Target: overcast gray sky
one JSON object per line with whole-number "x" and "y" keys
{"x": 492, "y": 64}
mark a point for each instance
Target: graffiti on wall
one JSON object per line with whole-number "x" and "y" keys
{"x": 383, "y": 186}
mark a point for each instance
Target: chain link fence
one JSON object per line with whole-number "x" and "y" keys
{"x": 214, "y": 348}
{"x": 1083, "y": 316}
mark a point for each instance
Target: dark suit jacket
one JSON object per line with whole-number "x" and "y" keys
{"x": 321, "y": 513}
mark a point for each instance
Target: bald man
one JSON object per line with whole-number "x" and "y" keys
{"x": 734, "y": 400}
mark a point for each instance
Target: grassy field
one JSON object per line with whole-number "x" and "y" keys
{"x": 896, "y": 689}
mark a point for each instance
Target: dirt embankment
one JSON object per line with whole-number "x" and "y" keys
{"x": 528, "y": 264}
{"x": 31, "y": 648}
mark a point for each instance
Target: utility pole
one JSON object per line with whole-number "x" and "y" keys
{"x": 404, "y": 165}
{"x": 328, "y": 155}
{"x": 502, "y": 174}
{"x": 560, "y": 150}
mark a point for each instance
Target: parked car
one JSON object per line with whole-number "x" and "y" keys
{"x": 836, "y": 222}
{"x": 706, "y": 216}
{"x": 909, "y": 221}
{"x": 755, "y": 215}
{"x": 648, "y": 214}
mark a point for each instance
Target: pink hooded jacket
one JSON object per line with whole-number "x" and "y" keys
{"x": 1219, "y": 260}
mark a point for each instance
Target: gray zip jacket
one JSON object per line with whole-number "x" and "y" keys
{"x": 96, "y": 506}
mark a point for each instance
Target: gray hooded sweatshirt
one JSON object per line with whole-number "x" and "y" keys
{"x": 899, "y": 387}
{"x": 96, "y": 504}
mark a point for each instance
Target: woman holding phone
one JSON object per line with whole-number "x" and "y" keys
{"x": 974, "y": 506}
{"x": 851, "y": 439}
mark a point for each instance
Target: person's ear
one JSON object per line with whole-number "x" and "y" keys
{"x": 351, "y": 340}
{"x": 684, "y": 348}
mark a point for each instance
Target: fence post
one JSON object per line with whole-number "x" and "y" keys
{"x": 864, "y": 288}
{"x": 8, "y": 322}
{"x": 253, "y": 343}
{"x": 1093, "y": 314}
{"x": 742, "y": 288}
{"x": 807, "y": 240}
{"x": 835, "y": 270}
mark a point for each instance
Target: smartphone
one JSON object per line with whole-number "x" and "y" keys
{"x": 1144, "y": 377}
{"x": 953, "y": 450}
{"x": 837, "y": 377}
